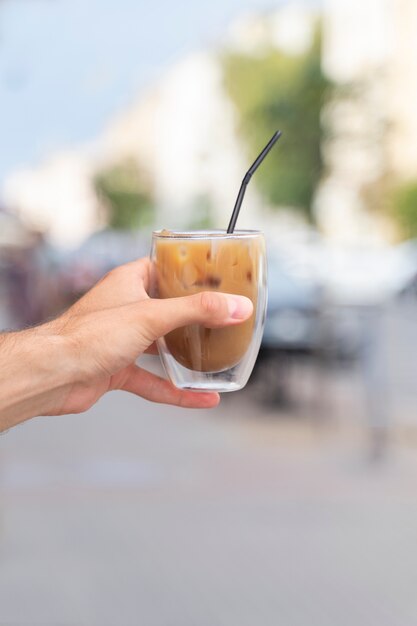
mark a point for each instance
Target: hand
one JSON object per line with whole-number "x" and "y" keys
{"x": 115, "y": 322}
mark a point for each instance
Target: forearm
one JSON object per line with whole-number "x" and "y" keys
{"x": 34, "y": 371}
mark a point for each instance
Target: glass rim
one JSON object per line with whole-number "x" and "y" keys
{"x": 205, "y": 234}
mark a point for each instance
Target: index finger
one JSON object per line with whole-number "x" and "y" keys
{"x": 143, "y": 267}
{"x": 125, "y": 284}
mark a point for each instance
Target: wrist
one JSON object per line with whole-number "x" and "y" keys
{"x": 35, "y": 365}
{"x": 62, "y": 367}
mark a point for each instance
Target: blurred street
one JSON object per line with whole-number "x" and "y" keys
{"x": 294, "y": 502}
{"x": 142, "y": 514}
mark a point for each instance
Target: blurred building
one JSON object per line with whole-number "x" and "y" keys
{"x": 182, "y": 132}
{"x": 370, "y": 53}
{"x": 291, "y": 29}
{"x": 56, "y": 197}
{"x": 182, "y": 135}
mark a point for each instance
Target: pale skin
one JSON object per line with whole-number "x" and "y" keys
{"x": 66, "y": 365}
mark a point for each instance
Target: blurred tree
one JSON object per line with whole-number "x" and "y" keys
{"x": 404, "y": 208}
{"x": 274, "y": 91}
{"x": 123, "y": 193}
{"x": 202, "y": 213}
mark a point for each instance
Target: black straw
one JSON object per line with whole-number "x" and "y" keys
{"x": 247, "y": 178}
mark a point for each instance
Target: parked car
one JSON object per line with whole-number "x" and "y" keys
{"x": 293, "y": 313}
{"x": 293, "y": 327}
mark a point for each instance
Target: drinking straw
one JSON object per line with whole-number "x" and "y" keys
{"x": 247, "y": 178}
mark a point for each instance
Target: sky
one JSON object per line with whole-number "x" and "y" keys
{"x": 66, "y": 66}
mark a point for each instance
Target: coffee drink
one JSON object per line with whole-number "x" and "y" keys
{"x": 188, "y": 265}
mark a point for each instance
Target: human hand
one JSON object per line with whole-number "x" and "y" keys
{"x": 115, "y": 322}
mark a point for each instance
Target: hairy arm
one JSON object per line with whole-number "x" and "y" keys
{"x": 36, "y": 368}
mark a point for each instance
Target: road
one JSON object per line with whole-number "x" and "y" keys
{"x": 138, "y": 514}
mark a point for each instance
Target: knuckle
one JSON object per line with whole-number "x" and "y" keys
{"x": 101, "y": 282}
{"x": 115, "y": 272}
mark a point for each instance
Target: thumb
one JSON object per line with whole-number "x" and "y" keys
{"x": 210, "y": 308}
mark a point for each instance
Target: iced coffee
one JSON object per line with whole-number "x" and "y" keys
{"x": 187, "y": 265}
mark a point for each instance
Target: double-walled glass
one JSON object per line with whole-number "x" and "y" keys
{"x": 185, "y": 263}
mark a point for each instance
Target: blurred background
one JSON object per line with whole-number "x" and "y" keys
{"x": 294, "y": 501}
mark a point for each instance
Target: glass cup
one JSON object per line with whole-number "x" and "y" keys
{"x": 185, "y": 263}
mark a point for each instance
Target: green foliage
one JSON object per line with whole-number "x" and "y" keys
{"x": 121, "y": 191}
{"x": 404, "y": 207}
{"x": 202, "y": 214}
{"x": 286, "y": 92}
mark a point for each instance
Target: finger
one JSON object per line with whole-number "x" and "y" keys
{"x": 212, "y": 309}
{"x": 129, "y": 280}
{"x": 157, "y": 389}
{"x": 143, "y": 267}
{"x": 152, "y": 349}
{"x": 125, "y": 284}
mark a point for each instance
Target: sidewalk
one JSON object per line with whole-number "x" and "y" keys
{"x": 140, "y": 514}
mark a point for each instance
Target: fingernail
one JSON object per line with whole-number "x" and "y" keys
{"x": 240, "y": 307}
